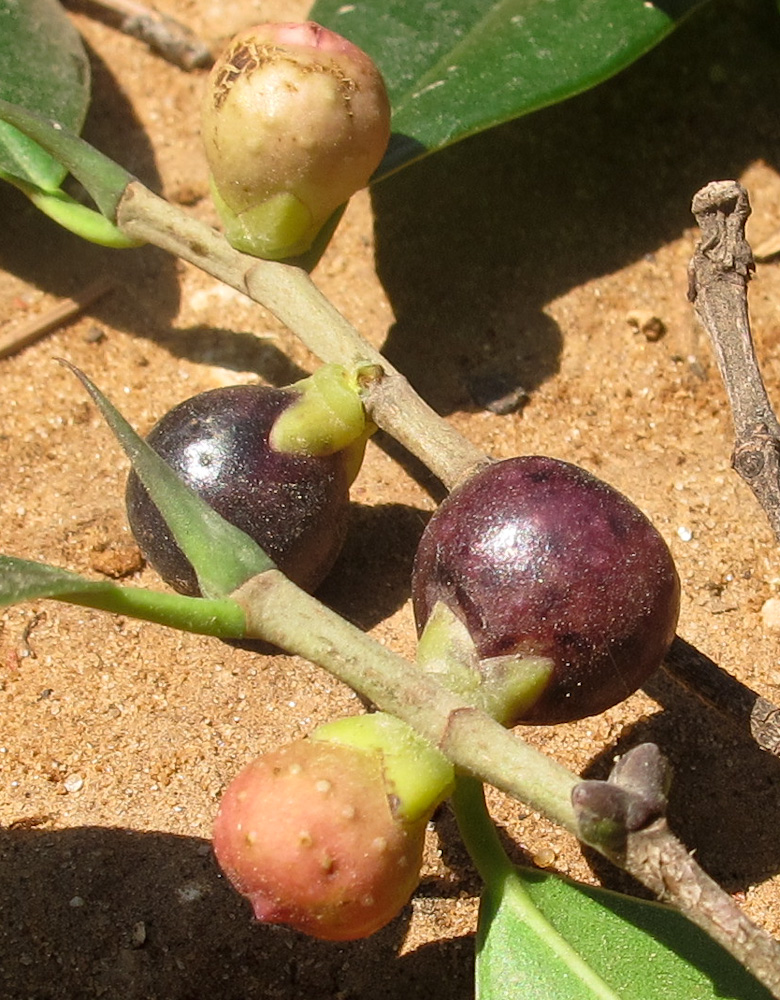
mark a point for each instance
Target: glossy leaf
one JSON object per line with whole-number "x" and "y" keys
{"x": 457, "y": 67}
{"x": 23, "y": 580}
{"x": 543, "y": 936}
{"x": 222, "y": 555}
{"x": 44, "y": 67}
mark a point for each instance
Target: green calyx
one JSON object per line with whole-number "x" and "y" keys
{"x": 511, "y": 685}
{"x": 276, "y": 229}
{"x": 328, "y": 416}
{"x": 417, "y": 775}
{"x": 505, "y": 687}
{"x": 446, "y": 649}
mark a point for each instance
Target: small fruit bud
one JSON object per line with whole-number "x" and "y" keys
{"x": 295, "y": 121}
{"x": 315, "y": 834}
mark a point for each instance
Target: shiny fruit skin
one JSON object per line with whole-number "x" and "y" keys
{"x": 294, "y": 506}
{"x": 307, "y": 834}
{"x": 540, "y": 558}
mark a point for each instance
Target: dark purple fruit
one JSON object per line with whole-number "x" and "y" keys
{"x": 294, "y": 506}
{"x": 539, "y": 558}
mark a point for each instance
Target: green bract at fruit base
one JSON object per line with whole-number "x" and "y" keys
{"x": 129, "y": 708}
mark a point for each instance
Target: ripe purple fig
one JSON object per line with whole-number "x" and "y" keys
{"x": 295, "y": 506}
{"x": 539, "y": 558}
{"x": 295, "y": 121}
{"x": 312, "y": 835}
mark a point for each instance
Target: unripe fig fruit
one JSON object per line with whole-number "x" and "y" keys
{"x": 308, "y": 834}
{"x": 539, "y": 558}
{"x": 295, "y": 506}
{"x": 295, "y": 121}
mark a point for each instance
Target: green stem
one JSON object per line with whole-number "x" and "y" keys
{"x": 290, "y": 294}
{"x": 281, "y": 613}
{"x": 223, "y": 618}
{"x": 479, "y": 833}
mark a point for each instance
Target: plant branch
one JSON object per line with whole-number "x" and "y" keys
{"x": 626, "y": 815}
{"x": 660, "y": 862}
{"x": 292, "y": 297}
{"x": 279, "y": 612}
{"x": 719, "y": 272}
{"x": 290, "y": 294}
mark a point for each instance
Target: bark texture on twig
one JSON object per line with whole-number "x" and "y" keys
{"x": 658, "y": 859}
{"x": 719, "y": 272}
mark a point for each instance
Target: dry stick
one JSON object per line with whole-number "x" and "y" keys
{"x": 719, "y": 272}
{"x": 37, "y": 327}
{"x": 166, "y": 36}
{"x": 473, "y": 740}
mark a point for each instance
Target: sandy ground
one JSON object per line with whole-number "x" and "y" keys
{"x": 520, "y": 253}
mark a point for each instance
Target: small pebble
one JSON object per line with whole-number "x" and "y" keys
{"x": 684, "y": 534}
{"x": 770, "y": 613}
{"x": 73, "y": 783}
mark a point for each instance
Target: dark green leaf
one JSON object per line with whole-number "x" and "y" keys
{"x": 43, "y": 67}
{"x": 456, "y": 67}
{"x": 22, "y": 580}
{"x": 543, "y": 936}
{"x": 223, "y": 556}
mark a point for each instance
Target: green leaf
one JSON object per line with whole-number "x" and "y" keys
{"x": 105, "y": 180}
{"x": 541, "y": 935}
{"x": 457, "y": 67}
{"x": 223, "y": 556}
{"x": 22, "y": 580}
{"x": 43, "y": 66}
